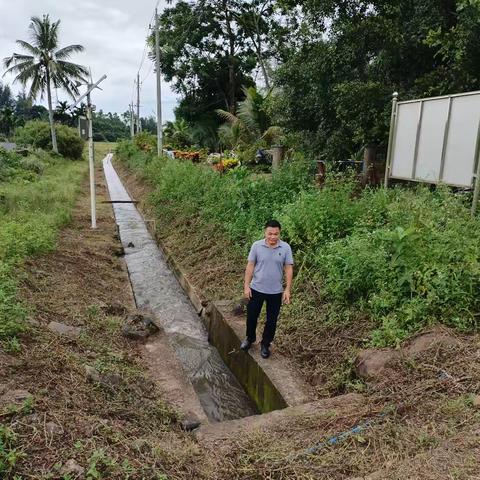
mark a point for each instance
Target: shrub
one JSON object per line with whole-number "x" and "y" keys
{"x": 402, "y": 257}
{"x": 146, "y": 142}
{"x": 37, "y": 134}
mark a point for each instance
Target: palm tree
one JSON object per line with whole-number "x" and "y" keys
{"x": 251, "y": 123}
{"x": 45, "y": 65}
{"x": 178, "y": 133}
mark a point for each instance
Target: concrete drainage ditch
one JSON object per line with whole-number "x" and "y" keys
{"x": 229, "y": 383}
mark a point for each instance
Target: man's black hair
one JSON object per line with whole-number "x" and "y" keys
{"x": 273, "y": 224}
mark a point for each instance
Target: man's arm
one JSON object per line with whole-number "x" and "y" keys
{"x": 247, "y": 292}
{"x": 288, "y": 279}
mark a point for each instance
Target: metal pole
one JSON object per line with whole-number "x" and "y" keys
{"x": 132, "y": 126}
{"x": 139, "y": 127}
{"x": 91, "y": 161}
{"x": 476, "y": 190}
{"x": 159, "y": 89}
{"x": 393, "y": 120}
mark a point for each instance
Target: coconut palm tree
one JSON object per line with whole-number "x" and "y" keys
{"x": 45, "y": 64}
{"x": 251, "y": 123}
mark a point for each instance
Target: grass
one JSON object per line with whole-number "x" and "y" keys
{"x": 32, "y": 209}
{"x": 373, "y": 266}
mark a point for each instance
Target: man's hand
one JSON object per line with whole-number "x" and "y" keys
{"x": 286, "y": 297}
{"x": 247, "y": 292}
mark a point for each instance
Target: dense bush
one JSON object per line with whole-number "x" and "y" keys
{"x": 406, "y": 257}
{"x": 37, "y": 134}
{"x": 146, "y": 142}
{"x": 13, "y": 165}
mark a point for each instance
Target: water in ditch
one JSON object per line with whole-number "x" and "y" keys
{"x": 156, "y": 289}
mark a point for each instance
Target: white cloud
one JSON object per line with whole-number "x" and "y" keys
{"x": 113, "y": 33}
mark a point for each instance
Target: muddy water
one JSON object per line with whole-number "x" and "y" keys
{"x": 156, "y": 289}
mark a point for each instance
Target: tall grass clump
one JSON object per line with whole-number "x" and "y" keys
{"x": 403, "y": 257}
{"x": 34, "y": 204}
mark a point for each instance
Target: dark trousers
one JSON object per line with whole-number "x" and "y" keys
{"x": 254, "y": 307}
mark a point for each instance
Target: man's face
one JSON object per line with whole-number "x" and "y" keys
{"x": 272, "y": 235}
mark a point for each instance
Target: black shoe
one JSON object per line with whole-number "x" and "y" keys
{"x": 245, "y": 345}
{"x": 264, "y": 351}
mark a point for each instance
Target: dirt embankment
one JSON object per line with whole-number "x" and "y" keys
{"x": 421, "y": 404}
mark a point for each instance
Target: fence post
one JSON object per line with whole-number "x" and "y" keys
{"x": 476, "y": 187}
{"x": 369, "y": 156}
{"x": 278, "y": 152}
{"x": 393, "y": 120}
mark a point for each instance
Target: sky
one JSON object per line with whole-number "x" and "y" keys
{"x": 113, "y": 33}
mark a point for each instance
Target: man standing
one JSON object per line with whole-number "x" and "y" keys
{"x": 268, "y": 260}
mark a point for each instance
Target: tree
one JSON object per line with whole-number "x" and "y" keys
{"x": 46, "y": 65}
{"x": 6, "y": 98}
{"x": 250, "y": 124}
{"x": 207, "y": 55}
{"x": 345, "y": 58}
{"x": 177, "y": 133}
{"x": 62, "y": 114}
{"x": 7, "y": 120}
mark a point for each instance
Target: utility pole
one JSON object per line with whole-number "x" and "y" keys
{"x": 139, "y": 125}
{"x": 132, "y": 125}
{"x": 159, "y": 89}
{"x": 91, "y": 161}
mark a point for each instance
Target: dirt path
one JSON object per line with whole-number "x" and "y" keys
{"x": 86, "y": 403}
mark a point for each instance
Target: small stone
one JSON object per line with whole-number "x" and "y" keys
{"x": 109, "y": 380}
{"x": 190, "y": 422}
{"x": 370, "y": 363}
{"x": 53, "y": 429}
{"x": 240, "y": 308}
{"x": 139, "y": 326}
{"x": 130, "y": 245}
{"x": 7, "y": 360}
{"x": 73, "y": 469}
{"x": 424, "y": 342}
{"x": 65, "y": 330}
{"x": 14, "y": 397}
{"x": 92, "y": 374}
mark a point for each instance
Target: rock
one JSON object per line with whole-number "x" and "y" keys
{"x": 65, "y": 330}
{"x": 476, "y": 401}
{"x": 73, "y": 469}
{"x": 53, "y": 429}
{"x": 370, "y": 363}
{"x": 426, "y": 341}
{"x": 130, "y": 245}
{"x": 240, "y": 308}
{"x": 139, "y": 326}
{"x": 7, "y": 360}
{"x": 190, "y": 422}
{"x": 92, "y": 374}
{"x": 110, "y": 380}
{"x": 14, "y": 397}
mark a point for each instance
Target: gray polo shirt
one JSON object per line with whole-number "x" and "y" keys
{"x": 269, "y": 263}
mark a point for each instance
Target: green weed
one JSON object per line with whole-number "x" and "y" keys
{"x": 9, "y": 455}
{"x": 403, "y": 257}
{"x": 31, "y": 213}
